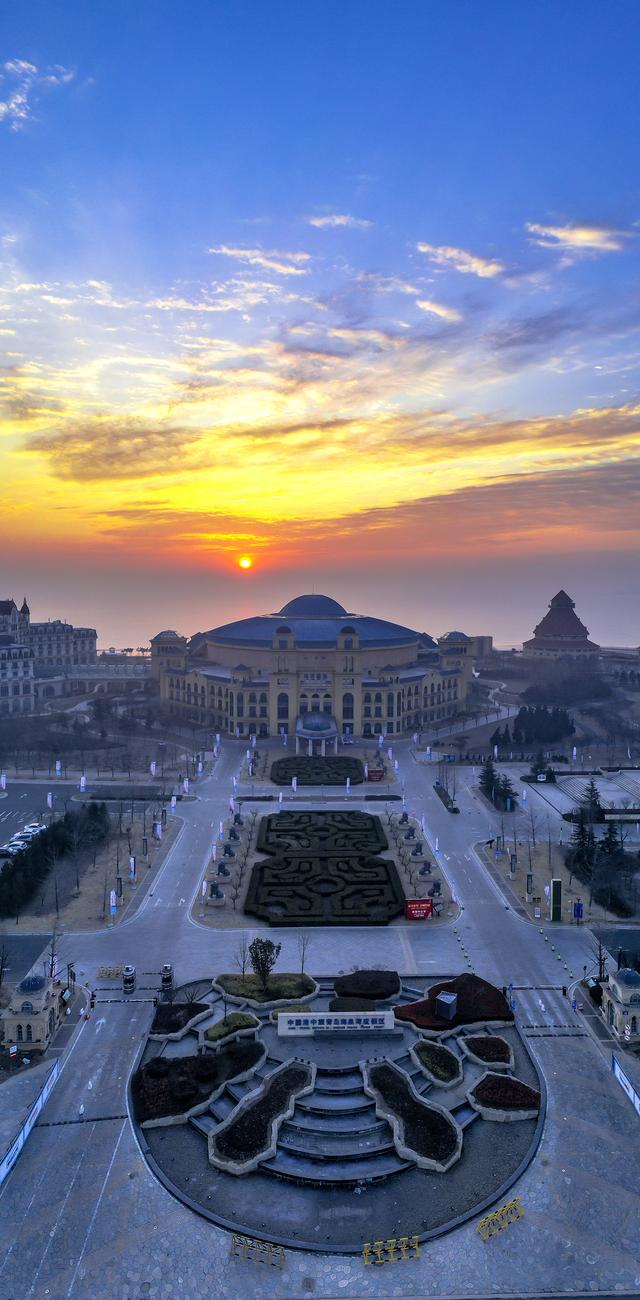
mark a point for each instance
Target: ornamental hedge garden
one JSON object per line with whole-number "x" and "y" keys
{"x": 323, "y": 868}
{"x": 317, "y": 771}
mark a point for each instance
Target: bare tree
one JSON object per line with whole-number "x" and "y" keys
{"x": 304, "y": 943}
{"x": 533, "y": 822}
{"x": 52, "y": 953}
{"x": 242, "y": 956}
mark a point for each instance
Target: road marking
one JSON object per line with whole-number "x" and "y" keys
{"x": 53, "y": 1230}
{"x": 99, "y": 1023}
{"x": 97, "y": 1207}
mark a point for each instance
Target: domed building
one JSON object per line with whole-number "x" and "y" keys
{"x": 266, "y": 675}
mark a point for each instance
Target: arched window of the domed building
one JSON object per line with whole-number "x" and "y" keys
{"x": 326, "y": 703}
{"x": 230, "y": 701}
{"x": 377, "y": 729}
{"x": 304, "y": 704}
{"x": 253, "y": 698}
{"x": 347, "y": 707}
{"x": 315, "y": 702}
{"x": 19, "y": 1033}
{"x": 378, "y": 697}
{"x": 283, "y": 707}
{"x": 240, "y": 704}
{"x": 399, "y": 703}
{"x": 263, "y": 697}
{"x": 367, "y": 697}
{"x": 366, "y": 730}
{"x": 390, "y": 704}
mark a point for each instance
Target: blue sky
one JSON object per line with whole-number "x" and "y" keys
{"x": 274, "y": 273}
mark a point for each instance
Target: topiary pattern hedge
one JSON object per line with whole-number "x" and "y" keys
{"x": 317, "y": 771}
{"x": 323, "y": 870}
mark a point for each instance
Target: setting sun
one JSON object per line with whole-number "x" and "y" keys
{"x": 245, "y": 562}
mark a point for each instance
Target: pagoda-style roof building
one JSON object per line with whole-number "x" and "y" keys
{"x": 560, "y": 634}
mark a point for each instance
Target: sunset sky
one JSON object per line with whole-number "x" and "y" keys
{"x": 349, "y": 288}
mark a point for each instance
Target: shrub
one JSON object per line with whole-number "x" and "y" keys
{"x": 442, "y": 1063}
{"x": 230, "y": 1025}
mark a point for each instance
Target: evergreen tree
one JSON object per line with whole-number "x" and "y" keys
{"x": 488, "y": 779}
{"x": 506, "y": 793}
{"x": 590, "y": 805}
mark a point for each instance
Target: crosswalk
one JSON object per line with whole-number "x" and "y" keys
{"x": 545, "y": 1012}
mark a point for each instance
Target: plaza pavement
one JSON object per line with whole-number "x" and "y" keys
{"x": 81, "y": 1217}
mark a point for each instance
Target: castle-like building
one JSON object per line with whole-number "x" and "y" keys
{"x": 560, "y": 634}
{"x": 32, "y": 650}
{"x": 313, "y": 670}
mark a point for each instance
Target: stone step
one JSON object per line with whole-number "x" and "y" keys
{"x": 369, "y": 1168}
{"x": 339, "y": 1083}
{"x": 204, "y": 1124}
{"x": 334, "y": 1146}
{"x": 329, "y": 1122}
{"x": 336, "y": 1104}
{"x": 222, "y": 1107}
{"x": 464, "y": 1114}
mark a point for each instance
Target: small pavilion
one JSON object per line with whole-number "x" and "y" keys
{"x": 317, "y": 731}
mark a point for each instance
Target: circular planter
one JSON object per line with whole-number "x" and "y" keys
{"x": 433, "y": 1078}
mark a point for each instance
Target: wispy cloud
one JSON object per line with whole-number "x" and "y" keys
{"x": 339, "y": 219}
{"x": 21, "y": 85}
{"x": 438, "y": 309}
{"x": 578, "y": 239}
{"x": 387, "y": 283}
{"x": 280, "y": 262}
{"x": 459, "y": 259}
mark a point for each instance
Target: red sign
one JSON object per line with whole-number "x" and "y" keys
{"x": 419, "y": 909}
{"x": 375, "y": 774}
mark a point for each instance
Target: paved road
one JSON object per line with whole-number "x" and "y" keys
{"x": 81, "y": 1217}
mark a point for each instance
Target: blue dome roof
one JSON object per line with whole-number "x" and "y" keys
{"x": 31, "y": 984}
{"x": 314, "y": 622}
{"x": 313, "y": 607}
{"x": 317, "y": 722}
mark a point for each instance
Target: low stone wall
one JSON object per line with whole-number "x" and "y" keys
{"x": 267, "y": 1153}
{"x": 383, "y": 1111}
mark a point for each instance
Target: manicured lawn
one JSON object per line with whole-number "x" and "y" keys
{"x": 230, "y": 1025}
{"x": 284, "y": 985}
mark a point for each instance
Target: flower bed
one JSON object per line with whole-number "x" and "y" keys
{"x": 288, "y": 1010}
{"x": 250, "y": 1134}
{"x": 478, "y": 1003}
{"x": 488, "y": 1049}
{"x": 232, "y": 1024}
{"x": 173, "y": 1019}
{"x": 352, "y": 1004}
{"x": 438, "y": 1062}
{"x": 422, "y": 1131}
{"x": 318, "y": 770}
{"x": 499, "y": 1097}
{"x": 173, "y": 1088}
{"x": 378, "y": 985}
{"x": 281, "y": 988}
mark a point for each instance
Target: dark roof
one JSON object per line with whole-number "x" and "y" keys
{"x": 31, "y": 984}
{"x": 167, "y": 635}
{"x": 320, "y": 722}
{"x": 313, "y": 607}
{"x": 454, "y": 636}
{"x": 561, "y": 623}
{"x": 630, "y": 978}
{"x": 6, "y": 606}
{"x": 318, "y": 629}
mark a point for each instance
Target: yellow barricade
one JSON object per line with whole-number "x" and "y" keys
{"x": 493, "y": 1223}
{"x": 261, "y": 1252}
{"x": 390, "y": 1250}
